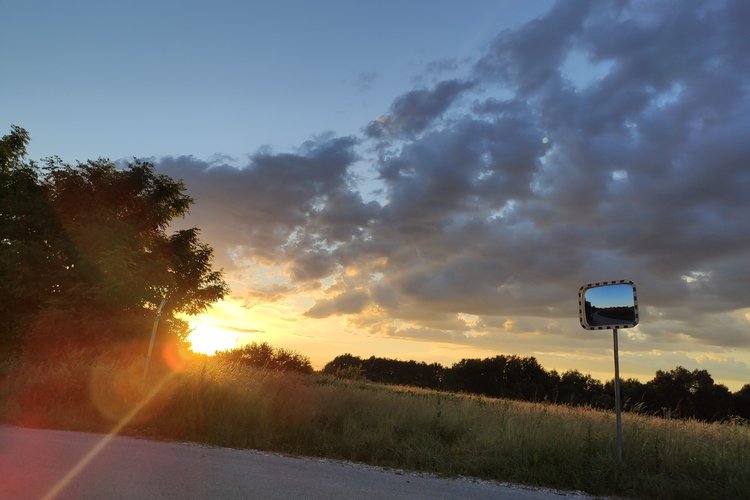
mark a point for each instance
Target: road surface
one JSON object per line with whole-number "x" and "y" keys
{"x": 60, "y": 464}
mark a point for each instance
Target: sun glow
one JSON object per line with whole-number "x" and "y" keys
{"x": 208, "y": 339}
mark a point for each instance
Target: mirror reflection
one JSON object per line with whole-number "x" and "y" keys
{"x": 611, "y": 305}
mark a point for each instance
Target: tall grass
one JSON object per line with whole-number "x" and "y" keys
{"x": 544, "y": 445}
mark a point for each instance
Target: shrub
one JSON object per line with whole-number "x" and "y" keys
{"x": 263, "y": 355}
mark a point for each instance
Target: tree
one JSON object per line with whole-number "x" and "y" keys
{"x": 711, "y": 401}
{"x": 13, "y": 149}
{"x": 478, "y": 376}
{"x": 632, "y": 392}
{"x": 345, "y": 366}
{"x": 29, "y": 234}
{"x": 526, "y": 379}
{"x": 387, "y": 371}
{"x": 578, "y": 389}
{"x": 682, "y": 393}
{"x": 263, "y": 355}
{"x": 503, "y": 376}
{"x": 741, "y": 402}
{"x": 120, "y": 254}
{"x": 91, "y": 241}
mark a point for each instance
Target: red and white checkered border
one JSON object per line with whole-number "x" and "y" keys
{"x": 581, "y": 317}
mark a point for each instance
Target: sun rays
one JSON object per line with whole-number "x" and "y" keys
{"x": 206, "y": 338}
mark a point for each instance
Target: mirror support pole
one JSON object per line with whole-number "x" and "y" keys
{"x": 618, "y": 414}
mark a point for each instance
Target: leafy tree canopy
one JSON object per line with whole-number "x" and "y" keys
{"x": 93, "y": 238}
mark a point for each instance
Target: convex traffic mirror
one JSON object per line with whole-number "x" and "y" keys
{"x": 610, "y": 304}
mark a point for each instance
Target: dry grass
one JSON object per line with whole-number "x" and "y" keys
{"x": 536, "y": 444}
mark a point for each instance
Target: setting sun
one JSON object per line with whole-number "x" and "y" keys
{"x": 205, "y": 338}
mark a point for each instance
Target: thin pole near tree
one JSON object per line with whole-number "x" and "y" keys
{"x": 153, "y": 338}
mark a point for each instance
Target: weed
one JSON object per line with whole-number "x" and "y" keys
{"x": 235, "y": 405}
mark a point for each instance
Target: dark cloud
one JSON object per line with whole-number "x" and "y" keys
{"x": 411, "y": 113}
{"x": 528, "y": 60}
{"x": 351, "y": 302}
{"x": 528, "y": 185}
{"x": 261, "y": 208}
{"x": 643, "y": 173}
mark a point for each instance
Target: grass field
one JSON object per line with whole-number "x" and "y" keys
{"x": 449, "y": 434}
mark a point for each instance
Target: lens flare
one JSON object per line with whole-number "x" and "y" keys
{"x": 176, "y": 356}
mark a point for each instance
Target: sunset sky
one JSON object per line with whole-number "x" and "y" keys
{"x": 428, "y": 180}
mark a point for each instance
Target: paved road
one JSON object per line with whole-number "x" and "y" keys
{"x": 34, "y": 464}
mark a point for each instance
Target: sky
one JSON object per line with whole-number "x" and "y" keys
{"x": 427, "y": 180}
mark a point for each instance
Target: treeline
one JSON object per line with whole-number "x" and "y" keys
{"x": 677, "y": 393}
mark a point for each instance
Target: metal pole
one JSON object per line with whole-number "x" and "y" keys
{"x": 618, "y": 414}
{"x": 153, "y": 338}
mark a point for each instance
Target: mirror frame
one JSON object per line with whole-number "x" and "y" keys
{"x": 581, "y": 305}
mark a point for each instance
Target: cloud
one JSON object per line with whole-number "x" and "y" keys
{"x": 231, "y": 328}
{"x": 267, "y": 293}
{"x": 264, "y": 207}
{"x": 350, "y": 302}
{"x": 505, "y": 189}
{"x": 438, "y": 70}
{"x": 528, "y": 59}
{"x": 365, "y": 80}
{"x": 412, "y": 112}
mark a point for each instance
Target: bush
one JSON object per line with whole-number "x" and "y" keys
{"x": 263, "y": 355}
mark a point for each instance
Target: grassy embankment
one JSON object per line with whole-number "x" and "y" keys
{"x": 449, "y": 434}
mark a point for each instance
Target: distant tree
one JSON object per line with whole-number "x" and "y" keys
{"x": 345, "y": 366}
{"x": 478, "y": 376}
{"x": 526, "y": 379}
{"x": 427, "y": 375}
{"x": 387, "y": 371}
{"x": 741, "y": 402}
{"x": 342, "y": 361}
{"x": 669, "y": 392}
{"x": 503, "y": 376}
{"x": 398, "y": 372}
{"x": 578, "y": 389}
{"x": 263, "y": 355}
{"x": 688, "y": 394}
{"x": 632, "y": 392}
{"x": 677, "y": 393}
{"x": 90, "y": 241}
{"x": 711, "y": 401}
